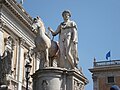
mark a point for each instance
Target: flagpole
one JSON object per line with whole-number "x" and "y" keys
{"x": 110, "y": 58}
{"x": 110, "y": 55}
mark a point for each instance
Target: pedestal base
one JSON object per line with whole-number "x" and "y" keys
{"x": 52, "y": 78}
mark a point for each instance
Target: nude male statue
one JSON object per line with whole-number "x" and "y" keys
{"x": 67, "y": 31}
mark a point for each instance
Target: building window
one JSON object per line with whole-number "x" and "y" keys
{"x": 111, "y": 79}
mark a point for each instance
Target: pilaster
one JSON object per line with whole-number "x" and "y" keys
{"x": 95, "y": 82}
{"x": 20, "y": 63}
{"x": 1, "y": 36}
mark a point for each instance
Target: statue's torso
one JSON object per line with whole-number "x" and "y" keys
{"x": 66, "y": 30}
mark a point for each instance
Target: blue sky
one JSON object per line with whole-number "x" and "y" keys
{"x": 98, "y": 24}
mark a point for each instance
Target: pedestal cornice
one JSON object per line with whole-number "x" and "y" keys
{"x": 79, "y": 75}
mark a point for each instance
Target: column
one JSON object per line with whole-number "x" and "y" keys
{"x": 20, "y": 64}
{"x": 1, "y": 39}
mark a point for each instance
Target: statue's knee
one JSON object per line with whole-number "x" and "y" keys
{"x": 69, "y": 54}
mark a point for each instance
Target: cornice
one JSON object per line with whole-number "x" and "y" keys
{"x": 104, "y": 69}
{"x": 2, "y": 24}
{"x": 18, "y": 11}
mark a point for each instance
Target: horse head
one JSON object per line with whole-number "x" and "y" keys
{"x": 38, "y": 25}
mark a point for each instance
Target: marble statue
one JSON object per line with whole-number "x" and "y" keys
{"x": 44, "y": 47}
{"x": 28, "y": 58}
{"x": 6, "y": 61}
{"x": 66, "y": 75}
{"x": 68, "y": 41}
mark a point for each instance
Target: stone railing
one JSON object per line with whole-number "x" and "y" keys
{"x": 106, "y": 63}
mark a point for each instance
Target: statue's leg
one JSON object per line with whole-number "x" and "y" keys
{"x": 75, "y": 55}
{"x": 68, "y": 52}
{"x": 70, "y": 57}
{"x": 62, "y": 55}
{"x": 46, "y": 58}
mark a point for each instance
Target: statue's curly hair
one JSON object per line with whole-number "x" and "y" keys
{"x": 66, "y": 11}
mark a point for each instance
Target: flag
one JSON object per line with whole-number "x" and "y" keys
{"x": 108, "y": 55}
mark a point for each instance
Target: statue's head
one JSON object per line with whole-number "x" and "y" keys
{"x": 66, "y": 11}
{"x": 37, "y": 24}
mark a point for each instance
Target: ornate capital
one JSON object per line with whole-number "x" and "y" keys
{"x": 44, "y": 84}
{"x": 22, "y": 41}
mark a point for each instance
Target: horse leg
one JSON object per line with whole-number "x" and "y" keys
{"x": 46, "y": 58}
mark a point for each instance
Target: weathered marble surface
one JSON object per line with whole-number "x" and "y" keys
{"x": 6, "y": 61}
{"x": 52, "y": 78}
{"x": 45, "y": 48}
{"x": 68, "y": 40}
{"x": 65, "y": 75}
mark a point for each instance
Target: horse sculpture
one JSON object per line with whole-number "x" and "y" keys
{"x": 44, "y": 45}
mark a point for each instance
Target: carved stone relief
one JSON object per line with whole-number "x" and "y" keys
{"x": 28, "y": 58}
{"x": 6, "y": 60}
{"x": 44, "y": 84}
{"x": 78, "y": 85}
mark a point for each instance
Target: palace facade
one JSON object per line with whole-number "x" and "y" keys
{"x": 16, "y": 38}
{"x": 105, "y": 74}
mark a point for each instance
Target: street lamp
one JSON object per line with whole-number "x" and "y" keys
{"x": 28, "y": 69}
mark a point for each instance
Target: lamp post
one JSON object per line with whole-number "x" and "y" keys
{"x": 28, "y": 68}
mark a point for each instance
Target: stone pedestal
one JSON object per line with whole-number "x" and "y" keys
{"x": 52, "y": 78}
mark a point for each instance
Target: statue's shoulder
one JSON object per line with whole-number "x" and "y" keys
{"x": 70, "y": 22}
{"x": 73, "y": 23}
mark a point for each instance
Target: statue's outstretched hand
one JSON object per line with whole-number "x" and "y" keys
{"x": 50, "y": 29}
